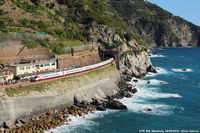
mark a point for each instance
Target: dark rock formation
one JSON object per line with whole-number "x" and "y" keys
{"x": 126, "y": 94}
{"x": 185, "y": 69}
{"x": 114, "y": 104}
{"x": 151, "y": 69}
{"x": 133, "y": 91}
{"x": 148, "y": 82}
{"x": 100, "y": 108}
{"x": 140, "y": 76}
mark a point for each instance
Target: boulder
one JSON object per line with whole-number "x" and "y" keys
{"x": 133, "y": 91}
{"x": 151, "y": 69}
{"x": 126, "y": 94}
{"x": 185, "y": 69}
{"x": 5, "y": 126}
{"x": 100, "y": 108}
{"x": 96, "y": 102}
{"x": 140, "y": 76}
{"x": 114, "y": 104}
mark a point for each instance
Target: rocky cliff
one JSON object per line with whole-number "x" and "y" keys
{"x": 130, "y": 55}
{"x": 155, "y": 25}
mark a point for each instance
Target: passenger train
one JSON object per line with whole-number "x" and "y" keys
{"x": 72, "y": 71}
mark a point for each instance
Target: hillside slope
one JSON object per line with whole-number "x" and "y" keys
{"x": 155, "y": 25}
{"x": 88, "y": 22}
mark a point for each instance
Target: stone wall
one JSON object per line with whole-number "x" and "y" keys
{"x": 69, "y": 61}
{"x": 17, "y": 53}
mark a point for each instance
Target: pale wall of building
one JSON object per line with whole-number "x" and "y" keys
{"x": 33, "y": 68}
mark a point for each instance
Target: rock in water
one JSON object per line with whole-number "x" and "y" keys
{"x": 100, "y": 108}
{"x": 126, "y": 94}
{"x": 140, "y": 76}
{"x": 185, "y": 69}
{"x": 133, "y": 91}
{"x": 149, "y": 109}
{"x": 114, "y": 104}
{"x": 151, "y": 69}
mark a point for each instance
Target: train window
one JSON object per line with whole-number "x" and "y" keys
{"x": 37, "y": 66}
{"x": 33, "y": 66}
{"x": 28, "y": 67}
{"x": 53, "y": 64}
{"x": 41, "y": 65}
{"x": 22, "y": 68}
{"x": 46, "y": 64}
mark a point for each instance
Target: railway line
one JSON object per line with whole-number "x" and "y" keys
{"x": 43, "y": 78}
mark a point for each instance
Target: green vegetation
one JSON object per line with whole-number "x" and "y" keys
{"x": 53, "y": 46}
{"x": 70, "y": 25}
{"x": 22, "y": 91}
{"x": 42, "y": 87}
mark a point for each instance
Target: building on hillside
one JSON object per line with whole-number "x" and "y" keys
{"x": 6, "y": 74}
{"x": 34, "y": 67}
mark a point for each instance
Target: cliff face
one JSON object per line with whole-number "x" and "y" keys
{"x": 130, "y": 55}
{"x": 157, "y": 26}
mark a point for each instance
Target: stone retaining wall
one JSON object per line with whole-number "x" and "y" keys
{"x": 68, "y": 61}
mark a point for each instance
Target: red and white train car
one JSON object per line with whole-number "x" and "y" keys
{"x": 72, "y": 71}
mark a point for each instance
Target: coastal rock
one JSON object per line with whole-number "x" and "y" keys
{"x": 5, "y": 126}
{"x": 151, "y": 69}
{"x": 185, "y": 69}
{"x": 100, "y": 108}
{"x": 96, "y": 102}
{"x": 140, "y": 76}
{"x": 149, "y": 109}
{"x": 114, "y": 104}
{"x": 133, "y": 91}
{"x": 126, "y": 94}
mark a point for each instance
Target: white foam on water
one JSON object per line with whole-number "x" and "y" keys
{"x": 133, "y": 105}
{"x": 76, "y": 121}
{"x": 141, "y": 101}
{"x": 181, "y": 70}
{"x": 159, "y": 70}
{"x": 162, "y": 70}
{"x": 157, "y": 55}
{"x": 156, "y": 82}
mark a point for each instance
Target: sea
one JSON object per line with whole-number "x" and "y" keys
{"x": 173, "y": 96}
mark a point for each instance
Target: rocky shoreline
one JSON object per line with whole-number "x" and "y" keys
{"x": 56, "y": 118}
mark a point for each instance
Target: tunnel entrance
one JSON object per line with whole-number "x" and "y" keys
{"x": 105, "y": 55}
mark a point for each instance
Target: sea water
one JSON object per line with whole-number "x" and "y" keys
{"x": 173, "y": 95}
